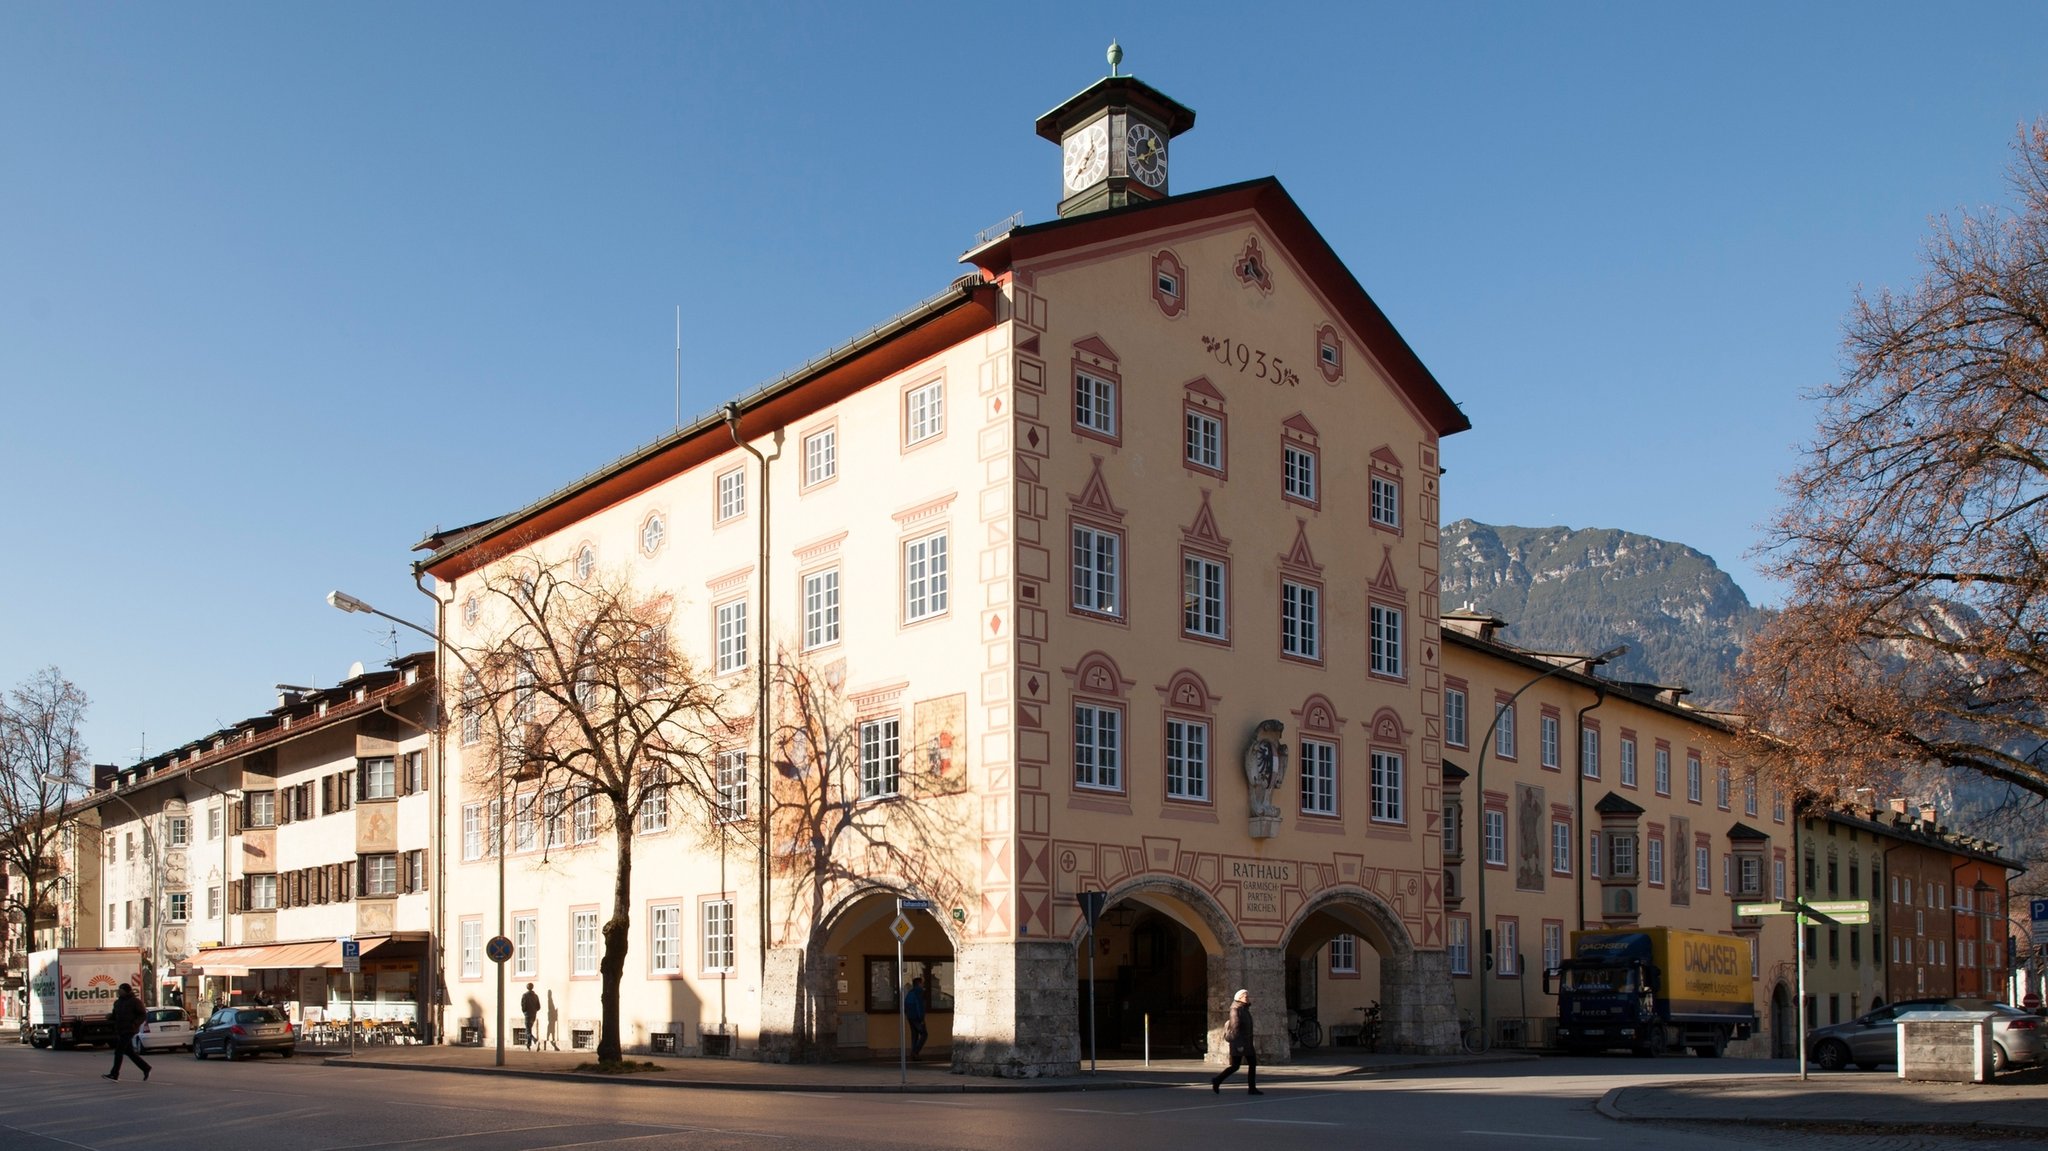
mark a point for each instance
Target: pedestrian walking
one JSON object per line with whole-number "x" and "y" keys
{"x": 529, "y": 1006}
{"x": 913, "y": 1014}
{"x": 128, "y": 1016}
{"x": 1237, "y": 1032}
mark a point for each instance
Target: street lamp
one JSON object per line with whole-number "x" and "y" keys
{"x": 342, "y": 601}
{"x": 153, "y": 908}
{"x": 1479, "y": 790}
{"x": 732, "y": 427}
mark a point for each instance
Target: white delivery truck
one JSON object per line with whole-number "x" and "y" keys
{"x": 71, "y": 993}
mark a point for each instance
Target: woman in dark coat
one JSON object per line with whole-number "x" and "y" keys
{"x": 1238, "y": 1033}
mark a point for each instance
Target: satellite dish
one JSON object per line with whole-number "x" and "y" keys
{"x": 355, "y": 670}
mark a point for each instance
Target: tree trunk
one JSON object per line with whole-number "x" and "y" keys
{"x": 617, "y": 938}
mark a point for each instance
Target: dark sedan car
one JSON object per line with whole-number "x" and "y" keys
{"x": 237, "y": 1032}
{"x": 2018, "y": 1038}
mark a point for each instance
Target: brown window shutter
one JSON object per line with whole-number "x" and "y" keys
{"x": 240, "y": 890}
{"x": 242, "y": 812}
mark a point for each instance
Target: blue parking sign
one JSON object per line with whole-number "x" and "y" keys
{"x": 2040, "y": 917}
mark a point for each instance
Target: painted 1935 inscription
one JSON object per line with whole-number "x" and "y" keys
{"x": 1260, "y": 885}
{"x": 1249, "y": 360}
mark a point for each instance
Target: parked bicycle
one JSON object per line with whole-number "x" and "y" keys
{"x": 1369, "y": 1027}
{"x": 1471, "y": 1036}
{"x": 1306, "y": 1032}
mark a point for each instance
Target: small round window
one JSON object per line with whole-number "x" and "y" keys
{"x": 586, "y": 561}
{"x": 652, "y": 533}
{"x": 470, "y": 608}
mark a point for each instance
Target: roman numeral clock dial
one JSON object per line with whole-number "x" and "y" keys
{"x": 1146, "y": 152}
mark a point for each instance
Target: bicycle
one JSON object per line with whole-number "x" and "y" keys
{"x": 1471, "y": 1036}
{"x": 1369, "y": 1026}
{"x": 1306, "y": 1032}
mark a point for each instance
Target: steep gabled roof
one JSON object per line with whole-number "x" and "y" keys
{"x": 1288, "y": 225}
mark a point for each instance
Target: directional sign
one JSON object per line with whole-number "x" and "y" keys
{"x": 1781, "y": 907}
{"x": 1837, "y": 908}
{"x": 900, "y": 928}
{"x": 1850, "y": 917}
{"x": 498, "y": 950}
{"x": 914, "y": 905}
{"x": 351, "y": 955}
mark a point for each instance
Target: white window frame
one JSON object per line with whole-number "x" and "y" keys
{"x": 821, "y": 609}
{"x": 665, "y": 939}
{"x": 1343, "y": 955}
{"x": 263, "y": 892}
{"x": 1628, "y": 761}
{"x": 178, "y": 907}
{"x": 1318, "y": 777}
{"x": 1560, "y": 847}
{"x": 1095, "y": 404}
{"x": 1205, "y": 596}
{"x": 525, "y": 944}
{"x": 1503, "y": 729}
{"x": 1389, "y": 787}
{"x": 1386, "y": 502}
{"x": 1202, "y": 440}
{"x": 733, "y": 786}
{"x": 1386, "y": 641}
{"x": 583, "y": 819}
{"x": 583, "y": 942}
{"x": 881, "y": 758}
{"x": 1097, "y": 557}
{"x": 1589, "y": 753}
{"x": 1547, "y": 740}
{"x": 654, "y": 800}
{"x": 653, "y": 530}
{"x": 1702, "y": 869}
{"x": 1301, "y": 620}
{"x": 1187, "y": 759}
{"x": 1621, "y": 856}
{"x": 926, "y": 568}
{"x": 1593, "y": 857}
{"x": 732, "y": 636}
{"x": 380, "y": 874}
{"x": 717, "y": 921}
{"x": 1493, "y": 824}
{"x": 1458, "y": 945}
{"x": 1553, "y": 946}
{"x": 1457, "y": 706}
{"x": 472, "y": 949}
{"x": 1507, "y": 941}
{"x": 179, "y": 831}
{"x": 924, "y": 412}
{"x": 525, "y": 826}
{"x": 1098, "y": 746}
{"x": 1298, "y": 472}
{"x": 1654, "y": 852}
{"x": 732, "y": 494}
{"x": 1662, "y": 779}
{"x": 472, "y": 831}
{"x": 821, "y": 459}
{"x": 1693, "y": 769}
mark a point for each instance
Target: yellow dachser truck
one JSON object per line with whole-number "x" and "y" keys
{"x": 1654, "y": 989}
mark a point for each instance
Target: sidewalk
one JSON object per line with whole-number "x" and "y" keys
{"x": 2016, "y": 1103}
{"x": 926, "y": 1077}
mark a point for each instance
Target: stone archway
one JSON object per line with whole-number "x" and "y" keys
{"x": 1417, "y": 1012}
{"x": 804, "y": 1016}
{"x": 1193, "y": 927}
{"x": 1784, "y": 1025}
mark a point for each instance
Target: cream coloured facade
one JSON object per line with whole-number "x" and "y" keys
{"x": 1084, "y": 541}
{"x": 1594, "y": 804}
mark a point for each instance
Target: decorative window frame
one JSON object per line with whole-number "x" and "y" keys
{"x": 1317, "y": 720}
{"x": 1589, "y": 764}
{"x": 1464, "y": 691}
{"x": 1399, "y": 608}
{"x": 1298, "y": 434}
{"x": 1550, "y": 738}
{"x": 1653, "y": 854}
{"x": 1166, "y": 265}
{"x": 1660, "y": 767}
{"x": 1628, "y": 759}
{"x": 1095, "y": 681}
{"x": 653, "y": 533}
{"x": 838, "y": 610}
{"x": 1201, "y": 400}
{"x": 737, "y": 475}
{"x": 596, "y": 914}
{"x": 1385, "y": 467}
{"x": 1290, "y": 579}
{"x": 1200, "y": 540}
{"x": 1188, "y": 700}
{"x": 1330, "y": 353}
{"x": 1493, "y": 805}
{"x": 1387, "y": 736}
{"x": 584, "y": 561}
{"x": 936, "y": 382}
{"x": 674, "y": 968}
{"x": 805, "y": 481}
{"x": 1097, "y": 359}
{"x": 1506, "y": 727}
{"x": 1078, "y": 521}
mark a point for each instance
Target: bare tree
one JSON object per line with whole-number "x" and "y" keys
{"x": 578, "y": 700}
{"x": 40, "y": 742}
{"x": 854, "y": 801}
{"x": 1916, "y": 625}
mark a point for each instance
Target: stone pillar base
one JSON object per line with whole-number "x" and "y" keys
{"x": 1014, "y": 1010}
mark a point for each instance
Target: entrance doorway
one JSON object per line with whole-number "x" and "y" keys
{"x": 866, "y": 990}
{"x": 1151, "y": 978}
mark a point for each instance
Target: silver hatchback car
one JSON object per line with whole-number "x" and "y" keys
{"x": 2019, "y": 1038}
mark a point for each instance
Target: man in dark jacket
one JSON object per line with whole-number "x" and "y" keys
{"x": 1238, "y": 1033}
{"x": 128, "y": 1016}
{"x": 913, "y": 1014}
{"x": 529, "y": 1006}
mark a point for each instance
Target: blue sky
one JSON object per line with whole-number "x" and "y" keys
{"x": 282, "y": 287}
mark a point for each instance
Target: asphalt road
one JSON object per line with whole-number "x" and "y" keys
{"x": 56, "y": 1100}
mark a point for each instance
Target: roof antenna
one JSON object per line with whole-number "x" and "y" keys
{"x": 1116, "y": 55}
{"x": 679, "y": 366}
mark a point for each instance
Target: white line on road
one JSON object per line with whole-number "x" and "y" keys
{"x": 807, "y": 1094}
{"x": 1088, "y": 1111}
{"x": 51, "y": 1138}
{"x": 934, "y": 1102}
{"x": 1527, "y": 1135}
{"x": 1291, "y": 1122}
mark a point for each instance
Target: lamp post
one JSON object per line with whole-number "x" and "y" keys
{"x": 342, "y": 601}
{"x": 1479, "y": 789}
{"x": 732, "y": 425}
{"x": 153, "y": 909}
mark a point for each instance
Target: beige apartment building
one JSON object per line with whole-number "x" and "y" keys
{"x": 237, "y": 861}
{"x": 1584, "y": 803}
{"x": 1121, "y": 554}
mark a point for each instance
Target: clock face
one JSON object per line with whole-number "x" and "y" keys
{"x": 1147, "y": 154}
{"x": 1087, "y": 157}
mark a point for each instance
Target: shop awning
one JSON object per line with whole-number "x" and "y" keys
{"x": 275, "y": 956}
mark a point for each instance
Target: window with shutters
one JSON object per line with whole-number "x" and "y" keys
{"x": 262, "y": 892}
{"x": 379, "y": 776}
{"x": 259, "y": 809}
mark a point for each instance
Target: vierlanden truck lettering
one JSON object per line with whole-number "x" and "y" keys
{"x": 71, "y": 993}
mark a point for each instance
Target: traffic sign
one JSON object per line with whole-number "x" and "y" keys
{"x": 351, "y": 955}
{"x": 1837, "y": 908}
{"x": 1849, "y": 918}
{"x": 900, "y": 928}
{"x": 498, "y": 950}
{"x": 2040, "y": 913}
{"x": 1091, "y": 906}
{"x": 1781, "y": 907}
{"x": 914, "y": 905}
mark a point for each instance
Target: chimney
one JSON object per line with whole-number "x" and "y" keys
{"x": 1864, "y": 797}
{"x": 1898, "y": 804}
{"x": 1927, "y": 815}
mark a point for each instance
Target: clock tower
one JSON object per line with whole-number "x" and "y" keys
{"x": 1113, "y": 141}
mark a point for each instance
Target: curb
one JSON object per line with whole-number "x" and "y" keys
{"x": 1608, "y": 1107}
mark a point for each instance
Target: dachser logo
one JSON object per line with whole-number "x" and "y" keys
{"x": 1710, "y": 958}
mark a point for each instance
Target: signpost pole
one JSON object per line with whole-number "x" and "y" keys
{"x": 1799, "y": 1006}
{"x": 902, "y": 1018}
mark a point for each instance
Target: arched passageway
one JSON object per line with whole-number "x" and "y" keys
{"x": 1346, "y": 953}
{"x": 858, "y": 989}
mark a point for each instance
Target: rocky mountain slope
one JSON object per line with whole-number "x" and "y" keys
{"x": 1587, "y": 589}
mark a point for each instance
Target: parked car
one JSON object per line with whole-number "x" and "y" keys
{"x": 164, "y": 1029}
{"x": 241, "y": 1031}
{"x": 2019, "y": 1038}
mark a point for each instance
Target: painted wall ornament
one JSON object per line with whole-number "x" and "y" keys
{"x": 1265, "y": 767}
